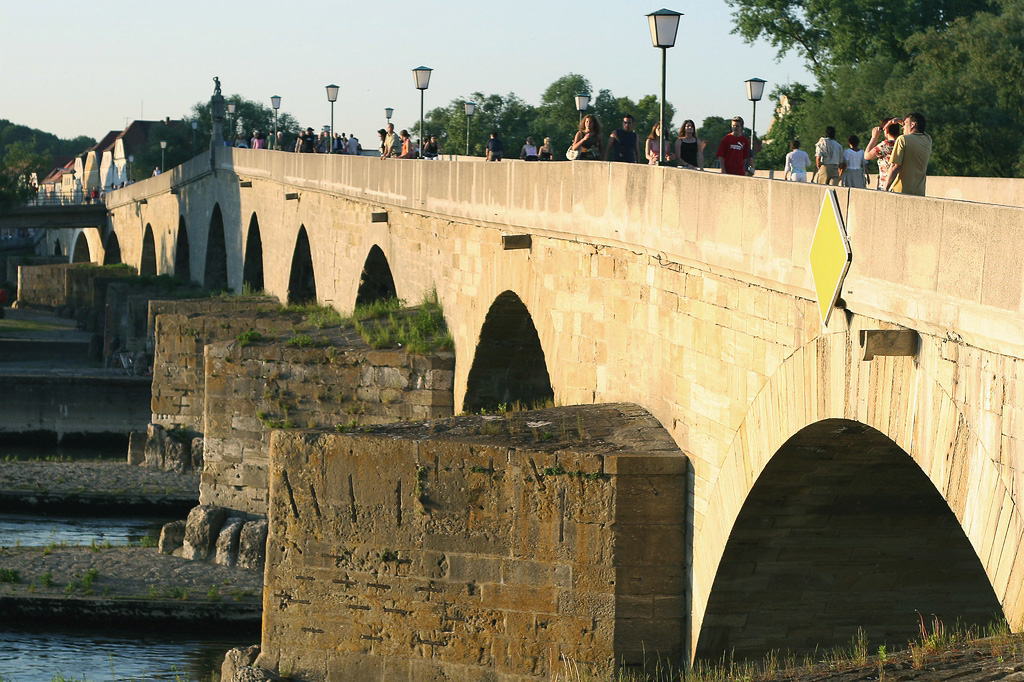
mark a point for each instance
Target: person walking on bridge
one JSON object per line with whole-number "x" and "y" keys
{"x": 828, "y": 154}
{"x": 734, "y": 150}
{"x": 623, "y": 143}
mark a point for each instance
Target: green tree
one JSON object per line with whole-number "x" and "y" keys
{"x": 833, "y": 33}
{"x": 508, "y": 115}
{"x": 557, "y": 115}
{"x": 712, "y": 130}
{"x": 249, "y": 116}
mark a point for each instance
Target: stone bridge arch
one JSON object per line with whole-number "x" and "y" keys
{"x": 509, "y": 366}
{"x": 182, "y": 258}
{"x": 215, "y": 270}
{"x": 302, "y": 279}
{"x": 111, "y": 249}
{"x": 889, "y": 404}
{"x": 252, "y": 267}
{"x": 147, "y": 262}
{"x": 81, "y": 252}
{"x": 376, "y": 283}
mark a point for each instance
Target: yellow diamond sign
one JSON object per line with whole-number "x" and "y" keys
{"x": 830, "y": 255}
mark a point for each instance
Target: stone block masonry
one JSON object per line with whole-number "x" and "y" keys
{"x": 475, "y": 548}
{"x": 340, "y": 382}
{"x": 183, "y": 329}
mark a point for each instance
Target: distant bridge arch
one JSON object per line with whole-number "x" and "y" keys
{"x": 81, "y": 252}
{"x": 376, "y": 283}
{"x": 147, "y": 263}
{"x": 111, "y": 249}
{"x": 252, "y": 268}
{"x": 215, "y": 270}
{"x": 508, "y": 361}
{"x": 182, "y": 256}
{"x": 302, "y": 279}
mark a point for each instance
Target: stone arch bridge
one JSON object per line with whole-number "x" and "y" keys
{"x": 828, "y": 489}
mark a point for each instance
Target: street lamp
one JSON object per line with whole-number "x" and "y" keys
{"x": 332, "y": 97}
{"x": 163, "y": 146}
{"x": 387, "y": 112}
{"x": 664, "y": 25}
{"x": 470, "y": 110}
{"x": 755, "y": 88}
{"x": 234, "y": 131}
{"x": 275, "y": 101}
{"x": 195, "y": 127}
{"x": 131, "y": 160}
{"x": 421, "y": 75}
{"x": 582, "y": 101}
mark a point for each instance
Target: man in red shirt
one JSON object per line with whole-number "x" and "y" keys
{"x": 734, "y": 150}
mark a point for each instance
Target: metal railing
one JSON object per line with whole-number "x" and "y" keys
{"x": 47, "y": 200}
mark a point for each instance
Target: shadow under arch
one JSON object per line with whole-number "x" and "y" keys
{"x": 182, "y": 260}
{"x": 508, "y": 365}
{"x": 147, "y": 264}
{"x": 81, "y": 251}
{"x": 57, "y": 251}
{"x": 302, "y": 281}
{"x": 376, "y": 282}
{"x": 842, "y": 530}
{"x": 252, "y": 268}
{"x": 215, "y": 269}
{"x": 824, "y": 380}
{"x": 111, "y": 249}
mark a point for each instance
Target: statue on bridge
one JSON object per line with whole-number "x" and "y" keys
{"x": 216, "y": 85}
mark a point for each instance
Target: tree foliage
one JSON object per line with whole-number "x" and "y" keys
{"x": 249, "y": 117}
{"x": 26, "y": 151}
{"x": 556, "y": 117}
{"x": 833, "y": 33}
{"x": 963, "y": 75}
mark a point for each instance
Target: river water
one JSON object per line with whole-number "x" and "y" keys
{"x": 31, "y": 654}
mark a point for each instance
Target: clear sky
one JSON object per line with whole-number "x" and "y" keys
{"x": 85, "y": 68}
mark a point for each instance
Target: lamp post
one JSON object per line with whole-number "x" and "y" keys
{"x": 275, "y": 101}
{"x": 131, "y": 160}
{"x": 163, "y": 146}
{"x": 387, "y": 113}
{"x": 234, "y": 131}
{"x": 755, "y": 88}
{"x": 332, "y": 97}
{"x": 470, "y": 110}
{"x": 582, "y": 102}
{"x": 195, "y": 127}
{"x": 421, "y": 74}
{"x": 664, "y": 25}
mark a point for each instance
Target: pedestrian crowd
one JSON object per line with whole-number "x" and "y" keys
{"x": 900, "y": 147}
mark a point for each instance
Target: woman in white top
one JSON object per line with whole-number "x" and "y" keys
{"x": 851, "y": 173}
{"x": 529, "y": 150}
{"x": 797, "y": 162}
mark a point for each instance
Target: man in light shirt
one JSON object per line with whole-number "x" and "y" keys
{"x": 828, "y": 154}
{"x": 910, "y": 154}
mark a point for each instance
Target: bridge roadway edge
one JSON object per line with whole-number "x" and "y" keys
{"x": 941, "y": 268}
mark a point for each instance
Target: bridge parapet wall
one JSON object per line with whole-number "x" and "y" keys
{"x": 440, "y": 552}
{"x": 915, "y": 258}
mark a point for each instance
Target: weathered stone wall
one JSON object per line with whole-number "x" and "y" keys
{"x": 251, "y": 389}
{"x": 182, "y": 329}
{"x": 9, "y": 264}
{"x": 480, "y": 548}
{"x": 42, "y": 285}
